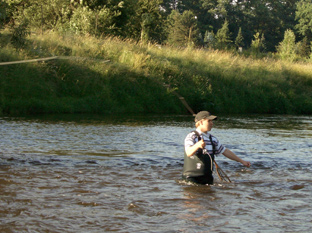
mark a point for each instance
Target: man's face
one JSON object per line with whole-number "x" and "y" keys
{"x": 207, "y": 125}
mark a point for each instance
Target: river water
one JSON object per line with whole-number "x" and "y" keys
{"x": 101, "y": 174}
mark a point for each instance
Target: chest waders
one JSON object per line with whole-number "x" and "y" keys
{"x": 198, "y": 168}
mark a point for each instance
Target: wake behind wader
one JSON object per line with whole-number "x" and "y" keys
{"x": 198, "y": 168}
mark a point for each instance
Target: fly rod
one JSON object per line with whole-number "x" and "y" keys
{"x": 181, "y": 98}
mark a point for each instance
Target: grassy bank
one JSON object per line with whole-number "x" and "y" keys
{"x": 132, "y": 80}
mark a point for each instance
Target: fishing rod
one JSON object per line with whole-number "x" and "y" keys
{"x": 181, "y": 98}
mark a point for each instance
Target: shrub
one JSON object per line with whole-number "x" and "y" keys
{"x": 20, "y": 34}
{"x": 287, "y": 48}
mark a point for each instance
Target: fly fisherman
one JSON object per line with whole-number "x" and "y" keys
{"x": 200, "y": 149}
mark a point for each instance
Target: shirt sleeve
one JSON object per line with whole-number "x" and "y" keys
{"x": 219, "y": 147}
{"x": 190, "y": 140}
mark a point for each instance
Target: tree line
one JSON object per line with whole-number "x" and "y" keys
{"x": 283, "y": 26}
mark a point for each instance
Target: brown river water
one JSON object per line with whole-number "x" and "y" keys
{"x": 123, "y": 174}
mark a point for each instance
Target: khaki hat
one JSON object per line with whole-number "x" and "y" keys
{"x": 204, "y": 115}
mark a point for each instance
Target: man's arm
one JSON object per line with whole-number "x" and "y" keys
{"x": 191, "y": 150}
{"x": 231, "y": 155}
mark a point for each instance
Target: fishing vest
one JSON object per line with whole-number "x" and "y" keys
{"x": 200, "y": 163}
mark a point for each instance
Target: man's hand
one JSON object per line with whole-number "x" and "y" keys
{"x": 201, "y": 144}
{"x": 190, "y": 151}
{"x": 246, "y": 163}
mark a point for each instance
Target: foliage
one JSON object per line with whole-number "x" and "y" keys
{"x": 86, "y": 83}
{"x": 303, "y": 48}
{"x": 239, "y": 41}
{"x": 99, "y": 21}
{"x": 149, "y": 20}
{"x": 223, "y": 36}
{"x": 209, "y": 39}
{"x": 258, "y": 44}
{"x": 19, "y": 35}
{"x": 304, "y": 17}
{"x": 3, "y": 7}
{"x": 287, "y": 48}
{"x": 48, "y": 14}
{"x": 182, "y": 30}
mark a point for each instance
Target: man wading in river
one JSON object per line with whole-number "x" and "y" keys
{"x": 200, "y": 150}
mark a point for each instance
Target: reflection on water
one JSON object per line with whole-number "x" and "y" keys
{"x": 98, "y": 174}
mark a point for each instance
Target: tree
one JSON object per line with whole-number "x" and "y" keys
{"x": 3, "y": 7}
{"x": 211, "y": 15}
{"x": 287, "y": 48}
{"x": 303, "y": 48}
{"x": 39, "y": 13}
{"x": 239, "y": 41}
{"x": 223, "y": 36}
{"x": 170, "y": 5}
{"x": 268, "y": 17}
{"x": 19, "y": 35}
{"x": 209, "y": 39}
{"x": 144, "y": 20}
{"x": 99, "y": 21}
{"x": 257, "y": 45}
{"x": 182, "y": 29}
{"x": 150, "y": 19}
{"x": 92, "y": 17}
{"x": 304, "y": 17}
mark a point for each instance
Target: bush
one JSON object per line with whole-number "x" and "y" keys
{"x": 86, "y": 21}
{"x": 287, "y": 48}
{"x": 20, "y": 34}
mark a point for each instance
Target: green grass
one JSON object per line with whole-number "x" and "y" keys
{"x": 132, "y": 82}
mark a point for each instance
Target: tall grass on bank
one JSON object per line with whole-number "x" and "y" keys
{"x": 133, "y": 79}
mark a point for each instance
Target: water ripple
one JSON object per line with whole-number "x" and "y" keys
{"x": 103, "y": 174}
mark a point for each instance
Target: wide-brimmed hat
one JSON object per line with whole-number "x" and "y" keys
{"x": 204, "y": 115}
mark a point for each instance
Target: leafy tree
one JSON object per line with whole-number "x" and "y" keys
{"x": 19, "y": 35}
{"x": 239, "y": 41}
{"x": 303, "y": 48}
{"x": 280, "y": 17}
{"x": 209, "y": 39}
{"x": 128, "y": 23}
{"x": 96, "y": 22}
{"x": 80, "y": 16}
{"x": 107, "y": 15}
{"x": 169, "y": 5}
{"x": 223, "y": 36}
{"x": 82, "y": 20}
{"x": 304, "y": 17}
{"x": 268, "y": 17}
{"x": 287, "y": 48}
{"x": 150, "y": 19}
{"x": 257, "y": 45}
{"x": 144, "y": 20}
{"x": 209, "y": 18}
{"x": 146, "y": 26}
{"x": 3, "y": 7}
{"x": 9, "y": 8}
{"x": 39, "y": 13}
{"x": 173, "y": 20}
{"x": 95, "y": 4}
{"x": 182, "y": 29}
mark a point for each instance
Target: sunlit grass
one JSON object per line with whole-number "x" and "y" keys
{"x": 132, "y": 80}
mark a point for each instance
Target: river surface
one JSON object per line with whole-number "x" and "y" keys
{"x": 123, "y": 174}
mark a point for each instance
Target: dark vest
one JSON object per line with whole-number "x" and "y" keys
{"x": 199, "y": 164}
